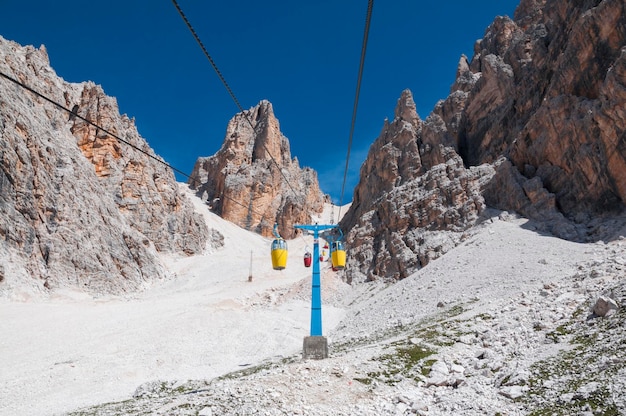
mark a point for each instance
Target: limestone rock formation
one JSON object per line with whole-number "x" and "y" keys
{"x": 548, "y": 91}
{"x": 413, "y": 203}
{"x": 537, "y": 117}
{"x": 252, "y": 180}
{"x": 78, "y": 207}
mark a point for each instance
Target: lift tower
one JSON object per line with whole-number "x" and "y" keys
{"x": 315, "y": 346}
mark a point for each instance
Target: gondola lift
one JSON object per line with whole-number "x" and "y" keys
{"x": 279, "y": 251}
{"x": 337, "y": 252}
{"x": 308, "y": 258}
{"x": 324, "y": 253}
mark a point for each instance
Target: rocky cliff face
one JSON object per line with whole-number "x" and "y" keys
{"x": 78, "y": 207}
{"x": 252, "y": 180}
{"x": 548, "y": 91}
{"x": 413, "y": 202}
{"x": 535, "y": 123}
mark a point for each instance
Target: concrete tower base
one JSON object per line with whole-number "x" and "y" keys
{"x": 315, "y": 348}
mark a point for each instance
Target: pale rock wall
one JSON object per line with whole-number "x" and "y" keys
{"x": 78, "y": 208}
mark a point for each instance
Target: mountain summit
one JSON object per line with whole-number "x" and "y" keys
{"x": 534, "y": 124}
{"x": 252, "y": 180}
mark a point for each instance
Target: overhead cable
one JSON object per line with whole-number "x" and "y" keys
{"x": 230, "y": 91}
{"x": 73, "y": 113}
{"x": 368, "y": 19}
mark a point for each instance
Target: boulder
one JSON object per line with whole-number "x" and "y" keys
{"x": 604, "y": 306}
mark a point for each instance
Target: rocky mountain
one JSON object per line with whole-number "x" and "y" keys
{"x": 511, "y": 321}
{"x": 252, "y": 180}
{"x": 80, "y": 208}
{"x": 413, "y": 201}
{"x": 534, "y": 123}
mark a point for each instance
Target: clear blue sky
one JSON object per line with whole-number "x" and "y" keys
{"x": 302, "y": 56}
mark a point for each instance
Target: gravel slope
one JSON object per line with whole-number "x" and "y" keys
{"x": 465, "y": 335}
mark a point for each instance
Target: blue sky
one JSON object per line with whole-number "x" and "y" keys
{"x": 301, "y": 56}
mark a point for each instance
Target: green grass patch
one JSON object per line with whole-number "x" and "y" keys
{"x": 579, "y": 379}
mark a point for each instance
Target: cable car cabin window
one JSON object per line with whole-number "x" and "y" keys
{"x": 279, "y": 244}
{"x": 337, "y": 245}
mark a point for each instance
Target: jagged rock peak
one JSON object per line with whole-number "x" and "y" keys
{"x": 537, "y": 119}
{"x": 393, "y": 159}
{"x": 550, "y": 97}
{"x": 78, "y": 208}
{"x": 252, "y": 180}
{"x": 406, "y": 109}
{"x": 414, "y": 199}
{"x": 545, "y": 91}
{"x": 255, "y": 135}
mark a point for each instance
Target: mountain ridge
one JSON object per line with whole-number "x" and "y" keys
{"x": 491, "y": 314}
{"x": 79, "y": 208}
{"x": 534, "y": 124}
{"x": 253, "y": 181}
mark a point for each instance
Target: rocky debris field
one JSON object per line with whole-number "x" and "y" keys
{"x": 545, "y": 339}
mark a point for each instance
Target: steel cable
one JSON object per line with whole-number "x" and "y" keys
{"x": 74, "y": 114}
{"x": 368, "y": 18}
{"x": 230, "y": 91}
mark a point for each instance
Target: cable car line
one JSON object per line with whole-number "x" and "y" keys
{"x": 206, "y": 53}
{"x": 368, "y": 19}
{"x": 230, "y": 91}
{"x": 73, "y": 113}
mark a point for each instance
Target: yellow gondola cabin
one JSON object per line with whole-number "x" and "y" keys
{"x": 338, "y": 255}
{"x": 279, "y": 254}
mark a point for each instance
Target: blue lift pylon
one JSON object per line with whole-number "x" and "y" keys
{"x": 315, "y": 345}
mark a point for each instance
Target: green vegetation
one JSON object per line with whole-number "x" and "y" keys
{"x": 407, "y": 361}
{"x": 408, "y": 358}
{"x": 427, "y": 366}
{"x": 579, "y": 379}
{"x": 559, "y": 333}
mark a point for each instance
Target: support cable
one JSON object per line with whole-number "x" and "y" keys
{"x": 230, "y": 91}
{"x": 368, "y": 19}
{"x": 74, "y": 114}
